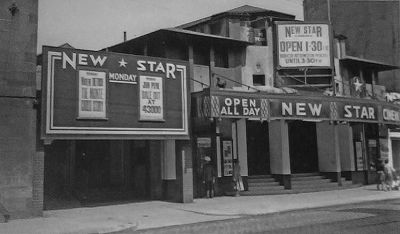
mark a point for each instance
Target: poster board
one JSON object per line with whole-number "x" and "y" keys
{"x": 87, "y": 94}
{"x": 227, "y": 157}
{"x": 303, "y": 44}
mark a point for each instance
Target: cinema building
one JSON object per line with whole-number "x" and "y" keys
{"x": 282, "y": 97}
{"x": 115, "y": 127}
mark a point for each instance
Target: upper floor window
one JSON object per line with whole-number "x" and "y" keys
{"x": 92, "y": 94}
{"x": 259, "y": 80}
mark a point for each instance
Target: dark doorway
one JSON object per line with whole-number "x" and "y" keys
{"x": 303, "y": 147}
{"x": 257, "y": 148}
{"x": 96, "y": 172}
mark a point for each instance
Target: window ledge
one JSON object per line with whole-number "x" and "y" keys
{"x": 92, "y": 118}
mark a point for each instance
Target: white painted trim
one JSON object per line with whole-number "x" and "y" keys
{"x": 51, "y": 129}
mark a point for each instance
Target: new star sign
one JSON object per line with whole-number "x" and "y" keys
{"x": 88, "y": 93}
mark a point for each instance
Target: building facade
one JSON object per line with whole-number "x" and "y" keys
{"x": 115, "y": 128}
{"x": 285, "y": 107}
{"x": 136, "y": 120}
{"x": 21, "y": 167}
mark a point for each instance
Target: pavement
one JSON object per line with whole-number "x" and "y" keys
{"x": 152, "y": 214}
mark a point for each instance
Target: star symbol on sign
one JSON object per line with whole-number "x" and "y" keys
{"x": 122, "y": 63}
{"x": 357, "y": 85}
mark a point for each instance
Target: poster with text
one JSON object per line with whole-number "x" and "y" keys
{"x": 303, "y": 45}
{"x": 151, "y": 98}
{"x": 227, "y": 157}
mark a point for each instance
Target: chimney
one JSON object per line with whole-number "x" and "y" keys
{"x": 124, "y": 36}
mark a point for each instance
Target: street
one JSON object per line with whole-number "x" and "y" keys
{"x": 371, "y": 217}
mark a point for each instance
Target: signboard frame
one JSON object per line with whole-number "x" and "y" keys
{"x": 55, "y": 64}
{"x": 276, "y": 44}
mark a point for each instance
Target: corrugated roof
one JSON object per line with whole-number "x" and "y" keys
{"x": 242, "y": 10}
{"x": 189, "y": 32}
{"x": 246, "y": 9}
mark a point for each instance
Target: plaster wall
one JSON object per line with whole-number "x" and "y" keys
{"x": 327, "y": 147}
{"x": 346, "y": 148}
{"x": 279, "y": 147}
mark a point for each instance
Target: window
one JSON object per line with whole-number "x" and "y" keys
{"x": 259, "y": 80}
{"x": 92, "y": 94}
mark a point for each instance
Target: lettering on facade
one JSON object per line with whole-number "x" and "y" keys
{"x": 122, "y": 78}
{"x": 152, "y": 66}
{"x": 359, "y": 112}
{"x": 73, "y": 59}
{"x": 82, "y": 59}
{"x": 240, "y": 107}
{"x": 390, "y": 115}
{"x": 301, "y": 109}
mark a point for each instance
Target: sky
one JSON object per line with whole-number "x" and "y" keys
{"x": 96, "y": 24}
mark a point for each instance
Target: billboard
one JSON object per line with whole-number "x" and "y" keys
{"x": 92, "y": 93}
{"x": 303, "y": 44}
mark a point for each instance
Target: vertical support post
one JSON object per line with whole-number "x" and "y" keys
{"x": 218, "y": 149}
{"x": 337, "y": 153}
{"x": 279, "y": 151}
{"x": 212, "y": 65}
{"x": 155, "y": 151}
{"x": 184, "y": 172}
{"x": 191, "y": 69}
{"x": 145, "y": 50}
{"x": 374, "y": 79}
{"x": 328, "y": 150}
{"x": 71, "y": 165}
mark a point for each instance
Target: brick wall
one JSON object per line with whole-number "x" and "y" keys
{"x": 21, "y": 169}
{"x": 372, "y": 29}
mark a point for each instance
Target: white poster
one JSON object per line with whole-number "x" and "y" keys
{"x": 227, "y": 157}
{"x": 151, "y": 98}
{"x": 359, "y": 156}
{"x": 303, "y": 45}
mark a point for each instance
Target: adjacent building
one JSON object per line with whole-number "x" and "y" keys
{"x": 21, "y": 166}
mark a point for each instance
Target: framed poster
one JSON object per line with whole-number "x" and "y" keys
{"x": 359, "y": 156}
{"x": 227, "y": 156}
{"x": 151, "y": 98}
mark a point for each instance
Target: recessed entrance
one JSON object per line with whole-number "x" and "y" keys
{"x": 303, "y": 147}
{"x": 96, "y": 172}
{"x": 257, "y": 148}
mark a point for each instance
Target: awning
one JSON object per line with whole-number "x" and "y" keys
{"x": 213, "y": 103}
{"x": 366, "y": 63}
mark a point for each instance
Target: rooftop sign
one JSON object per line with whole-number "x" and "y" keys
{"x": 303, "y": 44}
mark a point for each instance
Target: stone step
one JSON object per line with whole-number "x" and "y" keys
{"x": 305, "y": 174}
{"x": 281, "y": 190}
{"x": 260, "y": 180}
{"x": 309, "y": 190}
{"x": 315, "y": 177}
{"x": 320, "y": 181}
{"x": 259, "y": 176}
{"x": 263, "y": 192}
{"x": 266, "y": 188}
{"x": 312, "y": 185}
{"x": 262, "y": 184}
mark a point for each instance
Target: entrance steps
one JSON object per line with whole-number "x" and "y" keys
{"x": 301, "y": 183}
{"x": 262, "y": 185}
{"x": 314, "y": 182}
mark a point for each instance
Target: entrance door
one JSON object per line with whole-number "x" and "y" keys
{"x": 257, "y": 148}
{"x": 303, "y": 147}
